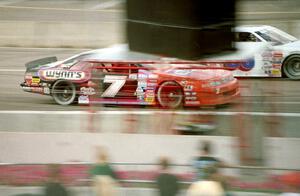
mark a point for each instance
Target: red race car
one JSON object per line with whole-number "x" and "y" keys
{"x": 165, "y": 84}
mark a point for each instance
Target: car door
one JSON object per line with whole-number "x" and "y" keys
{"x": 250, "y": 46}
{"x": 119, "y": 82}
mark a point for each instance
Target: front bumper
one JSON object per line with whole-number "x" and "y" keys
{"x": 221, "y": 95}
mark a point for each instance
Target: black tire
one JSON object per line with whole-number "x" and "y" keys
{"x": 170, "y": 95}
{"x": 291, "y": 67}
{"x": 63, "y": 92}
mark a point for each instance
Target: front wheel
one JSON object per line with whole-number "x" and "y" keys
{"x": 291, "y": 67}
{"x": 63, "y": 92}
{"x": 170, "y": 95}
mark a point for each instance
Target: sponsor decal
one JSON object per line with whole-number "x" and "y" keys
{"x": 153, "y": 76}
{"x": 150, "y": 99}
{"x": 232, "y": 66}
{"x": 277, "y": 54}
{"x": 192, "y": 102}
{"x": 150, "y": 88}
{"x": 83, "y": 99}
{"x": 150, "y": 91}
{"x": 87, "y": 91}
{"x": 190, "y": 98}
{"x": 248, "y": 65}
{"x": 28, "y": 77}
{"x": 133, "y": 76}
{"x": 37, "y": 89}
{"x": 183, "y": 82}
{"x": 275, "y": 72}
{"x": 62, "y": 74}
{"x": 152, "y": 84}
{"x": 142, "y": 84}
{"x": 266, "y": 54}
{"x": 142, "y": 76}
{"x": 276, "y": 62}
{"x": 35, "y": 80}
{"x": 187, "y": 93}
{"x": 266, "y": 58}
{"x": 276, "y": 66}
{"x": 188, "y": 88}
{"x": 152, "y": 81}
{"x": 194, "y": 93}
{"x": 26, "y": 88}
{"x": 46, "y": 90}
{"x": 140, "y": 93}
{"x": 182, "y": 72}
{"x": 243, "y": 66}
{"x": 267, "y": 64}
{"x": 150, "y": 94}
{"x": 44, "y": 84}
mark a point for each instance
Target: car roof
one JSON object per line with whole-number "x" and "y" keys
{"x": 251, "y": 28}
{"x": 120, "y": 52}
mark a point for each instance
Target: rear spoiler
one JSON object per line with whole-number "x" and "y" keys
{"x": 42, "y": 61}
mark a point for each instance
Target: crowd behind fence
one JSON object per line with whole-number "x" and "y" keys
{"x": 137, "y": 175}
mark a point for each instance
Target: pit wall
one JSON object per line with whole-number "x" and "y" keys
{"x": 134, "y": 148}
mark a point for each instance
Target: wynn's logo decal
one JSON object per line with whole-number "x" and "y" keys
{"x": 62, "y": 74}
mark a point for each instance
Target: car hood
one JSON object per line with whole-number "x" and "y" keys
{"x": 198, "y": 74}
{"x": 292, "y": 46}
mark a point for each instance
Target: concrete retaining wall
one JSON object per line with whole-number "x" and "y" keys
{"x": 87, "y": 34}
{"x": 134, "y": 148}
{"x": 60, "y": 34}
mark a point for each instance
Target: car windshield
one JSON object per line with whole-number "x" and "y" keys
{"x": 275, "y": 36}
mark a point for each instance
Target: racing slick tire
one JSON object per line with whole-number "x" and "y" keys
{"x": 63, "y": 92}
{"x": 291, "y": 67}
{"x": 170, "y": 95}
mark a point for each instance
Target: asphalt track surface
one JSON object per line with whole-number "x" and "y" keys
{"x": 259, "y": 96}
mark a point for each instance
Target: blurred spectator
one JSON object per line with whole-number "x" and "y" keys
{"x": 207, "y": 169}
{"x": 103, "y": 176}
{"x": 205, "y": 188}
{"x": 54, "y": 187}
{"x": 167, "y": 182}
{"x": 209, "y": 185}
{"x": 204, "y": 160}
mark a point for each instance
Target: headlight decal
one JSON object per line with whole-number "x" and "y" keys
{"x": 218, "y": 82}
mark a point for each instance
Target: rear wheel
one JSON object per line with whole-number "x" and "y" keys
{"x": 170, "y": 95}
{"x": 63, "y": 92}
{"x": 291, "y": 67}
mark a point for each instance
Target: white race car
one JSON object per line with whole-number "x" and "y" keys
{"x": 264, "y": 50}
{"x": 269, "y": 51}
